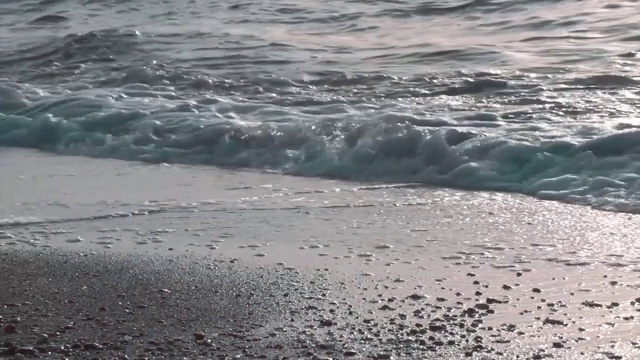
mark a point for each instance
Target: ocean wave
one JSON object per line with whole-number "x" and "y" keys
{"x": 602, "y": 172}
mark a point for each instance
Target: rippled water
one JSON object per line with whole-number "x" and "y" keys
{"x": 538, "y": 97}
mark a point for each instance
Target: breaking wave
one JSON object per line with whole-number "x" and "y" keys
{"x": 603, "y": 172}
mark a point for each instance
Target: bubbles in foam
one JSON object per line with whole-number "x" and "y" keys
{"x": 601, "y": 172}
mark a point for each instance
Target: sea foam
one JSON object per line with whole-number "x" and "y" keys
{"x": 348, "y": 143}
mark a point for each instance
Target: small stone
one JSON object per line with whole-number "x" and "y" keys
{"x": 507, "y": 287}
{"x": 495, "y": 301}
{"x": 10, "y": 329}
{"x": 75, "y": 240}
{"x": 42, "y": 339}
{"x": 27, "y": 351}
{"x": 549, "y": 321}
{"x": 92, "y": 346}
{"x": 417, "y": 297}
{"x": 470, "y": 311}
{"x": 630, "y": 54}
{"x": 199, "y": 336}
{"x": 383, "y": 246}
{"x": 350, "y": 353}
{"x": 482, "y": 306}
{"x": 326, "y": 322}
{"x": 592, "y": 304}
{"x": 558, "y": 345}
{"x": 536, "y": 290}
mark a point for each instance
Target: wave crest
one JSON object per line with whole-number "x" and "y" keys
{"x": 602, "y": 172}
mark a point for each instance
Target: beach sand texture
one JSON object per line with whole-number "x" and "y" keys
{"x": 111, "y": 259}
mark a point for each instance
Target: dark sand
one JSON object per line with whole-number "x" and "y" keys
{"x": 107, "y": 306}
{"x": 92, "y": 306}
{"x": 99, "y": 306}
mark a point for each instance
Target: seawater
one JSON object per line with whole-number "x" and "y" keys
{"x": 535, "y": 97}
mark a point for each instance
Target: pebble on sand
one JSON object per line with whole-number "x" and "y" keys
{"x": 383, "y": 246}
{"x": 10, "y": 329}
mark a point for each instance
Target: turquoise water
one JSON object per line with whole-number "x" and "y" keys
{"x": 535, "y": 97}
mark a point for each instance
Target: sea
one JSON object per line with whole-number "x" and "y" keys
{"x": 537, "y": 97}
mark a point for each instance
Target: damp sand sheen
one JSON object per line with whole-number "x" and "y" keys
{"x": 438, "y": 272}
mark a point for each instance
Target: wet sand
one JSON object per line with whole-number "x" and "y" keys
{"x": 321, "y": 269}
{"x": 87, "y": 306}
{"x": 102, "y": 306}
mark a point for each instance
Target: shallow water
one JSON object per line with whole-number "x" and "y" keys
{"x": 536, "y": 97}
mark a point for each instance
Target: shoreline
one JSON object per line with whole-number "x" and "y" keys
{"x": 368, "y": 272}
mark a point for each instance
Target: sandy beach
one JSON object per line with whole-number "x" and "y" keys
{"x": 65, "y": 305}
{"x": 111, "y": 259}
